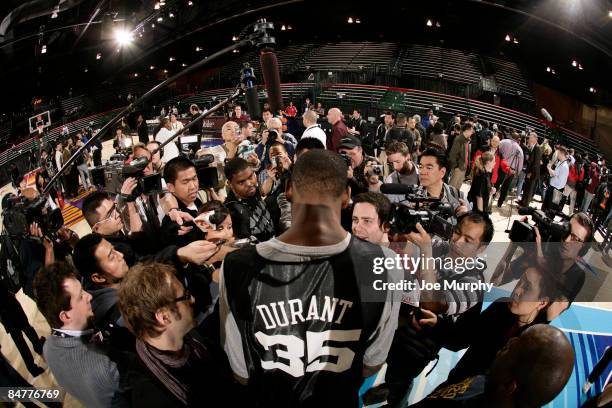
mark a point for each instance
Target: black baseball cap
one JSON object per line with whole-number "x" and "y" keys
{"x": 349, "y": 142}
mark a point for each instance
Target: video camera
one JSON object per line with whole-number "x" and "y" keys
{"x": 431, "y": 213}
{"x": 550, "y": 230}
{"x": 116, "y": 172}
{"x": 19, "y": 214}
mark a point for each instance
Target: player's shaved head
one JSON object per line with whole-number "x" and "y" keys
{"x": 531, "y": 369}
{"x": 320, "y": 173}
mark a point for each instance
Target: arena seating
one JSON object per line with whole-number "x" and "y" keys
{"x": 509, "y": 77}
{"x": 436, "y": 62}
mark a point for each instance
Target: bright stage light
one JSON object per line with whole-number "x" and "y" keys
{"x": 124, "y": 37}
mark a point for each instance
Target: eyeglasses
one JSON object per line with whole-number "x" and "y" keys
{"x": 574, "y": 238}
{"x": 112, "y": 211}
{"x": 186, "y": 296}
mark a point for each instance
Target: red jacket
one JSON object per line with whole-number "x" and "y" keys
{"x": 339, "y": 130}
{"x": 499, "y": 162}
{"x": 594, "y": 176}
{"x": 573, "y": 177}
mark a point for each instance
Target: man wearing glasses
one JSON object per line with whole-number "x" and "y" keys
{"x": 565, "y": 256}
{"x": 104, "y": 217}
{"x": 173, "y": 366}
{"x": 433, "y": 167}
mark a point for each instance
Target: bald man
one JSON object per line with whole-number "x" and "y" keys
{"x": 528, "y": 372}
{"x": 274, "y": 134}
{"x": 339, "y": 129}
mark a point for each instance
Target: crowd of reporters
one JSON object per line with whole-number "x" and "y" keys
{"x": 134, "y": 306}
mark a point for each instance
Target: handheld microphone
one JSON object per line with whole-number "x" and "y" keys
{"x": 252, "y": 100}
{"x": 394, "y": 188}
{"x": 271, "y": 74}
{"x": 546, "y": 115}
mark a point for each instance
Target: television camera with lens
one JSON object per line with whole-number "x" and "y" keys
{"x": 116, "y": 171}
{"x": 550, "y": 230}
{"x": 19, "y": 213}
{"x": 430, "y": 212}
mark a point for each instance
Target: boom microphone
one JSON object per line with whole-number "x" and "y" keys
{"x": 546, "y": 115}
{"x": 252, "y": 100}
{"x": 271, "y": 74}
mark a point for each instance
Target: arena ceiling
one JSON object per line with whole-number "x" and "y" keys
{"x": 81, "y": 51}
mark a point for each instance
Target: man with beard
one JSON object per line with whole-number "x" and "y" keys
{"x": 173, "y": 366}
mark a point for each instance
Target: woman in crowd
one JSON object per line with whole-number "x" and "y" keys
{"x": 481, "y": 189}
{"x": 504, "y": 319}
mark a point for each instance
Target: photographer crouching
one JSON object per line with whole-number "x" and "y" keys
{"x": 561, "y": 243}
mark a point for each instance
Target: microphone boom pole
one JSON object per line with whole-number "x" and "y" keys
{"x": 258, "y": 37}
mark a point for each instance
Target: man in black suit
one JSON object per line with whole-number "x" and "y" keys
{"x": 532, "y": 169}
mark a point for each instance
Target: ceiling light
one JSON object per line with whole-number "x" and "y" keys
{"x": 289, "y": 27}
{"x": 54, "y": 15}
{"x": 152, "y": 67}
{"x": 123, "y": 37}
{"x": 190, "y": 3}
{"x": 98, "y": 55}
{"x": 160, "y": 19}
{"x": 592, "y": 90}
{"x": 234, "y": 38}
{"x": 183, "y": 65}
{"x": 86, "y": 69}
{"x": 350, "y": 20}
{"x": 580, "y": 67}
{"x": 165, "y": 71}
{"x": 43, "y": 50}
{"x": 516, "y": 41}
{"x": 162, "y": 2}
{"x": 235, "y": 51}
{"x": 429, "y": 23}
{"x": 574, "y": 63}
{"x": 156, "y": 6}
{"x": 438, "y": 25}
{"x": 152, "y": 25}
{"x": 547, "y": 69}
{"x": 171, "y": 59}
{"x": 554, "y": 72}
{"x": 610, "y": 13}
{"x": 283, "y": 28}
{"x": 171, "y": 15}
{"x": 507, "y": 38}
{"x": 198, "y": 49}
{"x": 135, "y": 74}
{"x": 357, "y": 21}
